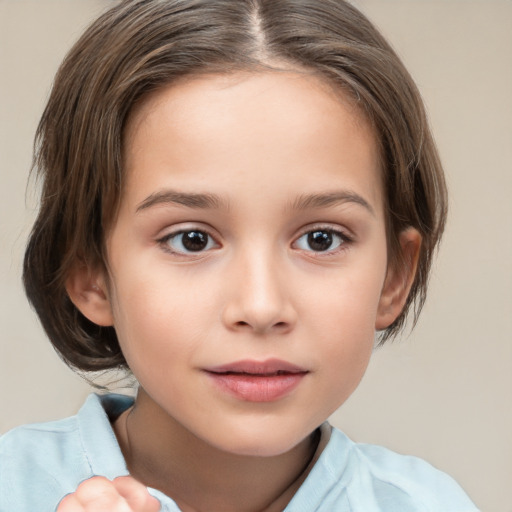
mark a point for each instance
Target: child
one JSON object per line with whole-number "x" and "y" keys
{"x": 237, "y": 194}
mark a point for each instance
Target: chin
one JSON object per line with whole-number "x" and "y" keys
{"x": 265, "y": 443}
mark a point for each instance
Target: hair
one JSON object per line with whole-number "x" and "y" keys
{"x": 140, "y": 46}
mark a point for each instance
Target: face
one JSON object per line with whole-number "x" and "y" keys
{"x": 248, "y": 262}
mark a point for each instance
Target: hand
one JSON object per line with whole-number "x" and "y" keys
{"x": 98, "y": 494}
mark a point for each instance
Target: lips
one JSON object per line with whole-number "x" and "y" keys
{"x": 257, "y": 381}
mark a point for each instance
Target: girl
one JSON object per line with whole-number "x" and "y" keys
{"x": 237, "y": 195}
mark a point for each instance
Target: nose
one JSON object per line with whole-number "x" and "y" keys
{"x": 259, "y": 298}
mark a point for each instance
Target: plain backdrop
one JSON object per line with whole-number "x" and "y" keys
{"x": 443, "y": 392}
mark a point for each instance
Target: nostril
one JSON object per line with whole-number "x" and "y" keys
{"x": 277, "y": 325}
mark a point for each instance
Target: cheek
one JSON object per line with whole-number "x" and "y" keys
{"x": 345, "y": 351}
{"x": 348, "y": 301}
{"x": 347, "y": 337}
{"x": 158, "y": 316}
{"x": 344, "y": 335}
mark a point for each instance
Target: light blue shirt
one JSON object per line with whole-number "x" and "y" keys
{"x": 41, "y": 463}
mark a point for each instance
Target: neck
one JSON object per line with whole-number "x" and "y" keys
{"x": 163, "y": 454}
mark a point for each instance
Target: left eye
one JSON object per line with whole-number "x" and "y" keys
{"x": 189, "y": 241}
{"x": 320, "y": 240}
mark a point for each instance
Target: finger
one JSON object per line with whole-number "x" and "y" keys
{"x": 99, "y": 494}
{"x": 136, "y": 494}
{"x": 70, "y": 504}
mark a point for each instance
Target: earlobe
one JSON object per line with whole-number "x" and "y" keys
{"x": 399, "y": 280}
{"x": 87, "y": 290}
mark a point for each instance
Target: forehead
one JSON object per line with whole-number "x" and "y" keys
{"x": 206, "y": 126}
{"x": 305, "y": 92}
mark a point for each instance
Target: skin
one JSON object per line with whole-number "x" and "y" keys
{"x": 260, "y": 143}
{"x": 123, "y": 494}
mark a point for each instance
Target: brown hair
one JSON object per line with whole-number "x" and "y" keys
{"x": 139, "y": 46}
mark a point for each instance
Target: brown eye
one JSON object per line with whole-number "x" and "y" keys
{"x": 194, "y": 240}
{"x": 185, "y": 242}
{"x": 320, "y": 240}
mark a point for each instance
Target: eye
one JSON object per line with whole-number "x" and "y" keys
{"x": 321, "y": 240}
{"x": 190, "y": 241}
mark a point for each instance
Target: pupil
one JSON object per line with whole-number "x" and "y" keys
{"x": 320, "y": 240}
{"x": 194, "y": 240}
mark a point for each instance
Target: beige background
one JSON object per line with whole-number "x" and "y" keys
{"x": 444, "y": 393}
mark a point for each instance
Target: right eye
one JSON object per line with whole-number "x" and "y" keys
{"x": 189, "y": 241}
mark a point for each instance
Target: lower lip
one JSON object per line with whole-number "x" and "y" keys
{"x": 257, "y": 388}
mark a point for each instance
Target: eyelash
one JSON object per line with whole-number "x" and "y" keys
{"x": 344, "y": 241}
{"x": 164, "y": 241}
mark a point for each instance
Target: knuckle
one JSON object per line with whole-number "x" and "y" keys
{"x": 127, "y": 481}
{"x": 69, "y": 504}
{"x": 95, "y": 489}
{"x": 134, "y": 492}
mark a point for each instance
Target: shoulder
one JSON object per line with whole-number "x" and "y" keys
{"x": 408, "y": 480}
{"x": 30, "y": 463}
{"x": 26, "y": 440}
{"x": 412, "y": 477}
{"x": 372, "y": 478}
{"x": 40, "y": 463}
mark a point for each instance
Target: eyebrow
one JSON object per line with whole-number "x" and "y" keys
{"x": 212, "y": 201}
{"x": 307, "y": 201}
{"x": 191, "y": 200}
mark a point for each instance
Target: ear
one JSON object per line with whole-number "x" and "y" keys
{"x": 399, "y": 280}
{"x": 88, "y": 292}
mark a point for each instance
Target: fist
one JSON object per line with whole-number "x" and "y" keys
{"x": 98, "y": 494}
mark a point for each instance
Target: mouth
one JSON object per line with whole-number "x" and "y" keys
{"x": 257, "y": 381}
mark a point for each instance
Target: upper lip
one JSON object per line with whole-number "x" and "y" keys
{"x": 251, "y": 367}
